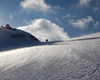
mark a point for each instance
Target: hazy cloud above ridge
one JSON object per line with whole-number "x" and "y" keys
{"x": 45, "y": 29}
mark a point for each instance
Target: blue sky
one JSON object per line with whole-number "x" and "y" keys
{"x": 75, "y": 17}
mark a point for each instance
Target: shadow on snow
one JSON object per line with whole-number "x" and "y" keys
{"x": 34, "y": 44}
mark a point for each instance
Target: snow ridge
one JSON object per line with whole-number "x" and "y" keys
{"x": 14, "y": 38}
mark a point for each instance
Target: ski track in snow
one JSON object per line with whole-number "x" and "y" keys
{"x": 78, "y": 60}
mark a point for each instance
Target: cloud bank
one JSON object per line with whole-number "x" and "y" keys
{"x": 37, "y": 5}
{"x": 44, "y": 29}
{"x": 81, "y": 23}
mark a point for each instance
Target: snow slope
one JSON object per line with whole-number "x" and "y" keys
{"x": 14, "y": 38}
{"x": 68, "y": 60}
{"x": 95, "y": 35}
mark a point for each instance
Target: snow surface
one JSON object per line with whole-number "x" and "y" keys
{"x": 68, "y": 60}
{"x": 14, "y": 38}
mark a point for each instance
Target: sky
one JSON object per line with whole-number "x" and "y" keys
{"x": 70, "y": 18}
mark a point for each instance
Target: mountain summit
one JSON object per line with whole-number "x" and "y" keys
{"x": 11, "y": 38}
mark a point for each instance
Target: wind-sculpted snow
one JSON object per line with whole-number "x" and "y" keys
{"x": 73, "y": 60}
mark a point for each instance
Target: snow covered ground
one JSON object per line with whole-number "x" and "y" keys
{"x": 15, "y": 38}
{"x": 68, "y": 60}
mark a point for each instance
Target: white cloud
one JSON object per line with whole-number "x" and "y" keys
{"x": 66, "y": 16}
{"x": 84, "y": 2}
{"x": 95, "y": 9}
{"x": 44, "y": 29}
{"x": 58, "y": 7}
{"x": 96, "y": 25}
{"x": 26, "y": 22}
{"x": 82, "y": 23}
{"x": 10, "y": 16}
{"x": 38, "y": 5}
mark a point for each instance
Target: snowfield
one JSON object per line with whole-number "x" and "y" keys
{"x": 65, "y": 60}
{"x": 15, "y": 38}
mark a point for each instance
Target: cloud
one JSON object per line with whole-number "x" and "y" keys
{"x": 44, "y": 29}
{"x": 95, "y": 9}
{"x": 66, "y": 16}
{"x": 84, "y": 2}
{"x": 82, "y": 23}
{"x": 96, "y": 25}
{"x": 10, "y": 16}
{"x": 37, "y": 5}
{"x": 26, "y": 22}
{"x": 58, "y": 7}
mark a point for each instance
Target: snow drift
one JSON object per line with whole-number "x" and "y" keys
{"x": 68, "y": 60}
